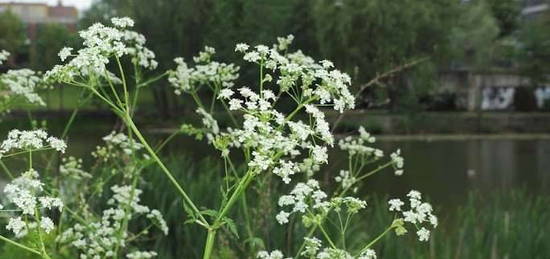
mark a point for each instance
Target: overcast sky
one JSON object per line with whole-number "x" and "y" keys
{"x": 80, "y": 4}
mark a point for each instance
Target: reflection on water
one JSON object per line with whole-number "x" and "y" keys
{"x": 447, "y": 170}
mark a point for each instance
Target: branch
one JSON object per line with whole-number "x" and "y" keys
{"x": 377, "y": 80}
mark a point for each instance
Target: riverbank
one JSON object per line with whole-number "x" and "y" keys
{"x": 467, "y": 123}
{"x": 430, "y": 125}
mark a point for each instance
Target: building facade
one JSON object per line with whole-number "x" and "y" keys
{"x": 35, "y": 14}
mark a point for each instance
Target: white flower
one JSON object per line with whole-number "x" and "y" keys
{"x": 369, "y": 254}
{"x": 141, "y": 255}
{"x": 282, "y": 217}
{"x": 72, "y": 167}
{"x": 23, "y": 82}
{"x": 423, "y": 234}
{"x": 46, "y": 224}
{"x": 157, "y": 216}
{"x": 99, "y": 239}
{"x": 414, "y": 194}
{"x": 345, "y": 178}
{"x": 3, "y": 56}
{"x": 187, "y": 78}
{"x": 285, "y": 170}
{"x": 100, "y": 45}
{"x": 235, "y": 104}
{"x": 397, "y": 159}
{"x": 241, "y": 47}
{"x": 225, "y": 94}
{"x": 50, "y": 203}
{"x": 320, "y": 154}
{"x": 419, "y": 213}
{"x": 327, "y": 64}
{"x": 57, "y": 144}
{"x": 311, "y": 246}
{"x": 122, "y": 22}
{"x": 23, "y": 190}
{"x": 395, "y": 204}
{"x": 276, "y": 254}
{"x": 64, "y": 53}
{"x": 17, "y": 226}
{"x": 252, "y": 56}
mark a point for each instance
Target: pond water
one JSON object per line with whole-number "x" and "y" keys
{"x": 446, "y": 170}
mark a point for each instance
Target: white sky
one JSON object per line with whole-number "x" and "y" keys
{"x": 80, "y": 4}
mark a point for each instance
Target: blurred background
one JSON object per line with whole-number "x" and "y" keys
{"x": 461, "y": 86}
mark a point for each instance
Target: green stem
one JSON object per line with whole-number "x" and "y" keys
{"x": 44, "y": 254}
{"x": 20, "y": 245}
{"x": 243, "y": 184}
{"x": 124, "y": 85}
{"x": 187, "y": 199}
{"x": 375, "y": 240}
{"x": 6, "y": 169}
{"x": 208, "y": 248}
{"x": 309, "y": 234}
{"x": 374, "y": 171}
{"x": 165, "y": 141}
{"x": 327, "y": 236}
{"x": 152, "y": 80}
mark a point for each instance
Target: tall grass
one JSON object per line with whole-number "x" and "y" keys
{"x": 506, "y": 224}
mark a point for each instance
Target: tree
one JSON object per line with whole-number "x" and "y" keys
{"x": 474, "y": 36}
{"x": 507, "y": 14}
{"x": 533, "y": 52}
{"x": 370, "y": 37}
{"x": 51, "y": 38}
{"x": 12, "y": 36}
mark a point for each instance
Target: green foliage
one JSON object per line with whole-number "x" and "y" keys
{"x": 13, "y": 32}
{"x": 51, "y": 38}
{"x": 511, "y": 223}
{"x": 533, "y": 52}
{"x": 507, "y": 14}
{"x": 368, "y": 38}
{"x": 474, "y": 35}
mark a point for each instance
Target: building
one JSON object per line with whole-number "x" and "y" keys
{"x": 35, "y": 14}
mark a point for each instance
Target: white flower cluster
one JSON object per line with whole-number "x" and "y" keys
{"x": 315, "y": 79}
{"x": 205, "y": 72}
{"x": 273, "y": 139}
{"x": 309, "y": 199}
{"x": 127, "y": 145}
{"x": 3, "y": 56}
{"x": 72, "y": 167}
{"x": 398, "y": 162}
{"x": 276, "y": 254}
{"x": 358, "y": 145}
{"x": 22, "y": 82}
{"x": 313, "y": 249}
{"x": 24, "y": 193}
{"x": 419, "y": 213}
{"x": 98, "y": 239}
{"x": 141, "y": 255}
{"x": 332, "y": 253}
{"x": 118, "y": 145}
{"x": 345, "y": 179}
{"x": 28, "y": 140}
{"x": 101, "y": 43}
{"x": 210, "y": 123}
